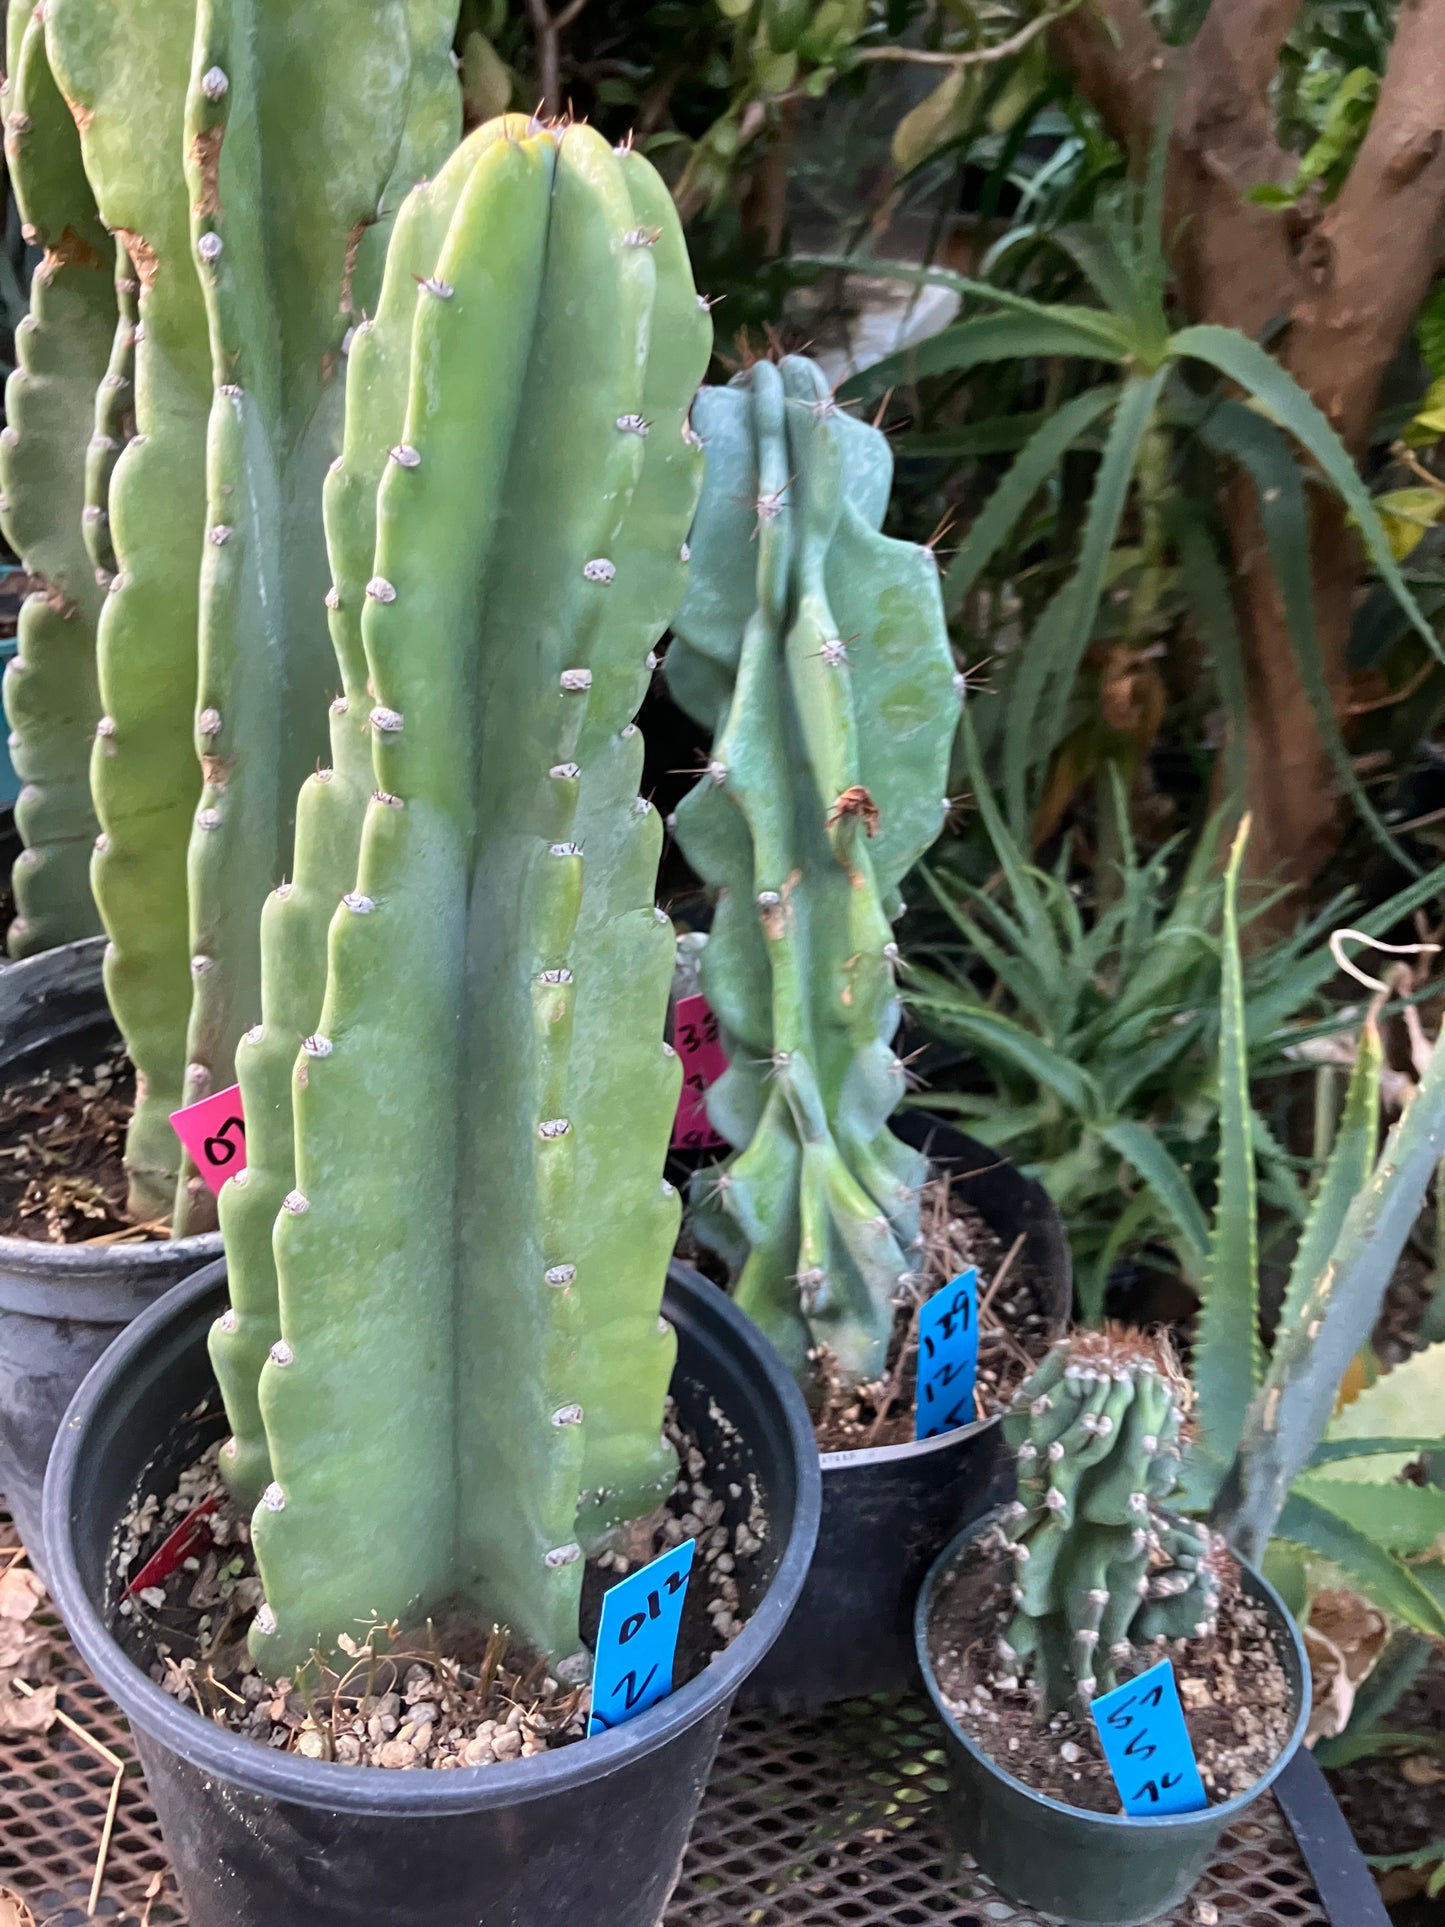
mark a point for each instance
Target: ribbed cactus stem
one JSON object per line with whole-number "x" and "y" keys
{"x": 815, "y": 649}
{"x": 114, "y": 422}
{"x": 62, "y": 348}
{"x": 471, "y": 1261}
{"x": 1099, "y": 1568}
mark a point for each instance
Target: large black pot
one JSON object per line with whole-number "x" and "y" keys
{"x": 594, "y": 1833}
{"x": 1092, "y": 1869}
{"x": 61, "y": 1305}
{"x": 887, "y": 1511}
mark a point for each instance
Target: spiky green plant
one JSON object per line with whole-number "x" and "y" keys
{"x": 814, "y": 649}
{"x": 63, "y": 349}
{"x": 1099, "y": 1566}
{"x": 244, "y": 156}
{"x": 471, "y": 1257}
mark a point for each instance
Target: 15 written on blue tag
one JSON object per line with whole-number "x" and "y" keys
{"x": 637, "y": 1639}
{"x": 947, "y": 1357}
{"x": 1147, "y": 1744}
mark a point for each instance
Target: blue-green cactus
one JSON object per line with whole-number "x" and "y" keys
{"x": 814, "y": 649}
{"x": 472, "y": 1255}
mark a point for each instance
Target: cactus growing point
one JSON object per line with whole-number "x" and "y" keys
{"x": 472, "y": 1258}
{"x": 815, "y": 649}
{"x": 1100, "y": 1568}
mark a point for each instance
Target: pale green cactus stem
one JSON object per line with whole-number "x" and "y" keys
{"x": 333, "y": 798}
{"x": 123, "y": 65}
{"x": 114, "y": 422}
{"x": 1100, "y": 1569}
{"x": 52, "y": 697}
{"x": 472, "y": 1260}
{"x": 294, "y": 124}
{"x": 815, "y": 649}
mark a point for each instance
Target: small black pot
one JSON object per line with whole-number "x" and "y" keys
{"x": 592, "y": 1833}
{"x": 1092, "y": 1869}
{"x": 887, "y": 1511}
{"x": 61, "y": 1305}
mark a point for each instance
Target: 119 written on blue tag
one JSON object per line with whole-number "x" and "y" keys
{"x": 947, "y": 1357}
{"x": 637, "y": 1639}
{"x": 1147, "y": 1744}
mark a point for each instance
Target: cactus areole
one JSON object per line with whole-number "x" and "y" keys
{"x": 816, "y": 651}
{"x": 1099, "y": 1567}
{"x": 446, "y": 1370}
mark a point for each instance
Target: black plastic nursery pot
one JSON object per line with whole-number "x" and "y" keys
{"x": 888, "y": 1510}
{"x": 591, "y": 1835}
{"x": 1092, "y": 1869}
{"x": 61, "y": 1305}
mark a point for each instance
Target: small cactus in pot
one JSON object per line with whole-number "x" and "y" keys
{"x": 1100, "y": 1568}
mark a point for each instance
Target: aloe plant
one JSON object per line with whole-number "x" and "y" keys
{"x": 471, "y": 1257}
{"x": 1271, "y": 1455}
{"x": 246, "y": 164}
{"x": 814, "y": 649}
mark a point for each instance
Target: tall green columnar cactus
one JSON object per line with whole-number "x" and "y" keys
{"x": 333, "y": 798}
{"x": 815, "y": 650}
{"x": 471, "y": 1261}
{"x": 1099, "y": 1569}
{"x": 294, "y": 124}
{"x": 123, "y": 66}
{"x": 52, "y": 697}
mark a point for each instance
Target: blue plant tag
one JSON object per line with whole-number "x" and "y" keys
{"x": 947, "y": 1357}
{"x": 1147, "y": 1744}
{"x": 637, "y": 1639}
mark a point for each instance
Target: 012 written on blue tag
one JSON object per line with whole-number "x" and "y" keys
{"x": 947, "y": 1357}
{"x": 1147, "y": 1745}
{"x": 637, "y": 1639}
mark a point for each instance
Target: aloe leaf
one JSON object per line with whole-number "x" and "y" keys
{"x": 1346, "y": 1451}
{"x": 1377, "y": 1572}
{"x": 1000, "y": 1037}
{"x": 1404, "y": 1519}
{"x": 1139, "y": 1146}
{"x": 1345, "y": 1175}
{"x": 1228, "y": 1354}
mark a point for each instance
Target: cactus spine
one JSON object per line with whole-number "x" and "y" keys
{"x": 1099, "y": 1568}
{"x": 815, "y": 649}
{"x": 471, "y": 1261}
{"x": 63, "y": 345}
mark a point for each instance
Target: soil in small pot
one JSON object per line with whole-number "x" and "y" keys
{"x": 1233, "y": 1686}
{"x": 62, "y": 1143}
{"x": 447, "y": 1695}
{"x": 1013, "y": 1328}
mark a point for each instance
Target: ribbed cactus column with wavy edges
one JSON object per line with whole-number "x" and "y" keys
{"x": 294, "y": 126}
{"x": 1099, "y": 1569}
{"x": 52, "y": 696}
{"x": 123, "y": 65}
{"x": 815, "y": 650}
{"x": 333, "y": 798}
{"x": 471, "y": 1264}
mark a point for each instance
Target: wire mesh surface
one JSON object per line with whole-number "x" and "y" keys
{"x": 826, "y": 1822}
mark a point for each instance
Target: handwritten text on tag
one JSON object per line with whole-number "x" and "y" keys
{"x": 1147, "y": 1744}
{"x": 695, "y": 1039}
{"x": 947, "y": 1357}
{"x": 637, "y": 1639}
{"x": 214, "y": 1132}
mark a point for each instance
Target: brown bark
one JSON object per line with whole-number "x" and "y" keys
{"x": 1345, "y": 284}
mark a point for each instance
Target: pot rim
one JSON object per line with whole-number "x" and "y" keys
{"x": 376, "y": 1790}
{"x": 1218, "y": 1816}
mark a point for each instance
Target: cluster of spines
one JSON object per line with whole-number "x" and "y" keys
{"x": 1100, "y": 1568}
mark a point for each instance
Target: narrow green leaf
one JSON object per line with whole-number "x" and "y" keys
{"x": 1345, "y": 1175}
{"x": 1244, "y": 361}
{"x": 1207, "y": 597}
{"x": 1228, "y": 1354}
{"x": 1138, "y": 1145}
{"x": 1400, "y": 1518}
{"x": 967, "y": 344}
{"x": 1018, "y": 488}
{"x": 999, "y": 1037}
{"x": 1333, "y": 1451}
{"x": 1387, "y": 1581}
{"x": 1023, "y": 891}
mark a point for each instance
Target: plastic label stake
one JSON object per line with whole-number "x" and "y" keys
{"x": 1147, "y": 1744}
{"x": 214, "y": 1133}
{"x": 947, "y": 1357}
{"x": 695, "y": 1039}
{"x": 637, "y": 1640}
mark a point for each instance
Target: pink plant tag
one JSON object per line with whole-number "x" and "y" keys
{"x": 193, "y": 1534}
{"x": 695, "y": 1039}
{"x": 214, "y": 1133}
